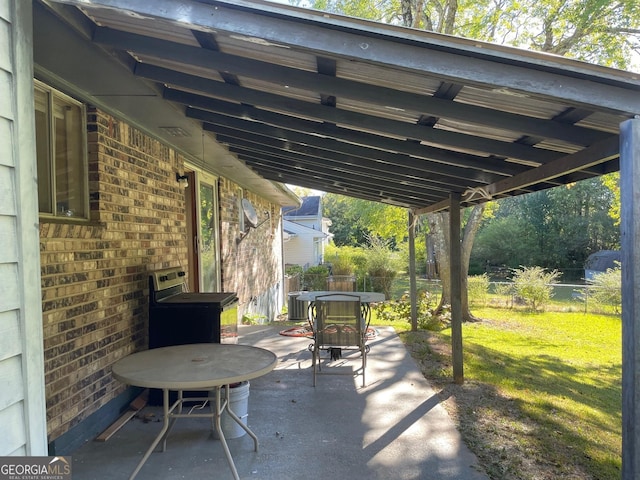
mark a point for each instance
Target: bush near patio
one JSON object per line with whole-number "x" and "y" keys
{"x": 375, "y": 266}
{"x": 534, "y": 285}
{"x": 315, "y": 278}
{"x": 606, "y": 289}
{"x": 398, "y": 312}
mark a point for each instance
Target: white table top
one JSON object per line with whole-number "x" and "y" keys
{"x": 193, "y": 367}
{"x": 367, "y": 297}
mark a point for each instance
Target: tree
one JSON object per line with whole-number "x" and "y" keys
{"x": 354, "y": 220}
{"x": 597, "y": 31}
{"x": 557, "y": 228}
{"x": 344, "y": 220}
{"x": 612, "y": 182}
{"x": 439, "y": 227}
{"x": 581, "y": 218}
{"x": 606, "y": 32}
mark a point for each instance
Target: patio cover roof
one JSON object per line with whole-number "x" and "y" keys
{"x": 384, "y": 113}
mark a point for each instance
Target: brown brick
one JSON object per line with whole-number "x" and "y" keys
{"x": 95, "y": 275}
{"x": 94, "y": 284}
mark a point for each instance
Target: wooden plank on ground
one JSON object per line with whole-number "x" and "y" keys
{"x": 134, "y": 407}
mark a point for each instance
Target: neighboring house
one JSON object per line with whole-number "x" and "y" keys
{"x": 600, "y": 262}
{"x": 306, "y": 233}
{"x": 303, "y": 246}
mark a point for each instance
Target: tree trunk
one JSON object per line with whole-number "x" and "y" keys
{"x": 450, "y": 17}
{"x": 439, "y": 226}
{"x": 407, "y": 14}
{"x": 440, "y": 234}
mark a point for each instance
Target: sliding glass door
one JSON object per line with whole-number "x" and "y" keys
{"x": 207, "y": 240}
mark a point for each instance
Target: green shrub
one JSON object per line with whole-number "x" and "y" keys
{"x": 400, "y": 310}
{"x": 293, "y": 270}
{"x": 342, "y": 265}
{"x": 359, "y": 260}
{"x": 533, "y": 285}
{"x": 607, "y": 289}
{"x": 478, "y": 289}
{"x": 382, "y": 266}
{"x": 353, "y": 260}
{"x": 315, "y": 278}
{"x": 436, "y": 322}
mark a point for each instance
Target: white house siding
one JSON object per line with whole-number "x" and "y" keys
{"x": 309, "y": 233}
{"x": 22, "y": 411}
{"x": 299, "y": 250}
{"x": 304, "y": 246}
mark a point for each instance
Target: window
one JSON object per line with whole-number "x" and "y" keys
{"x": 61, "y": 152}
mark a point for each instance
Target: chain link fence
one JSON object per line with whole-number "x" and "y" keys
{"x": 566, "y": 297}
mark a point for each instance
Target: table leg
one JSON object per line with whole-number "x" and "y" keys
{"x": 169, "y": 419}
{"x": 172, "y": 417}
{"x": 165, "y": 428}
{"x": 225, "y": 447}
{"x": 239, "y": 421}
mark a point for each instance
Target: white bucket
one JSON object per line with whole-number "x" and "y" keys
{"x": 239, "y": 403}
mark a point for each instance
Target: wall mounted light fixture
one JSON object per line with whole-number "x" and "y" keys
{"x": 182, "y": 180}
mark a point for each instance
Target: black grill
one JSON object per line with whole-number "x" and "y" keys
{"x": 177, "y": 317}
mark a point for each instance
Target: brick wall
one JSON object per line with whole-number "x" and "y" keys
{"x": 253, "y": 267}
{"x": 95, "y": 275}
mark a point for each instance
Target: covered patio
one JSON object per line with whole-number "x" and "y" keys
{"x": 395, "y": 427}
{"x": 270, "y": 94}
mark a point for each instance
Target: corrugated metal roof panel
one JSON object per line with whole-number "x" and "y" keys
{"x": 456, "y": 111}
{"x": 507, "y": 101}
{"x": 274, "y": 53}
{"x": 144, "y": 25}
{"x": 387, "y": 77}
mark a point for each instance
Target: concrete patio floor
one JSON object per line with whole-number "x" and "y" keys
{"x": 392, "y": 429}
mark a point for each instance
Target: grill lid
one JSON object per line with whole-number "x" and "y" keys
{"x": 221, "y": 298}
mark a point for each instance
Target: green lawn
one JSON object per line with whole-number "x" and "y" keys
{"x": 561, "y": 372}
{"x": 551, "y": 382}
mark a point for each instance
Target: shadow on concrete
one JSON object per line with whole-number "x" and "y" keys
{"x": 393, "y": 428}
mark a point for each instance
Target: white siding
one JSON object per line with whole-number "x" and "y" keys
{"x": 299, "y": 250}
{"x": 14, "y": 433}
{"x": 22, "y": 413}
{"x": 306, "y": 248}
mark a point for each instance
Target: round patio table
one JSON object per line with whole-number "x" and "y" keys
{"x": 202, "y": 366}
{"x": 365, "y": 297}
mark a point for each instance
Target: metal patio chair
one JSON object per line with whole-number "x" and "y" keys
{"x": 339, "y": 322}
